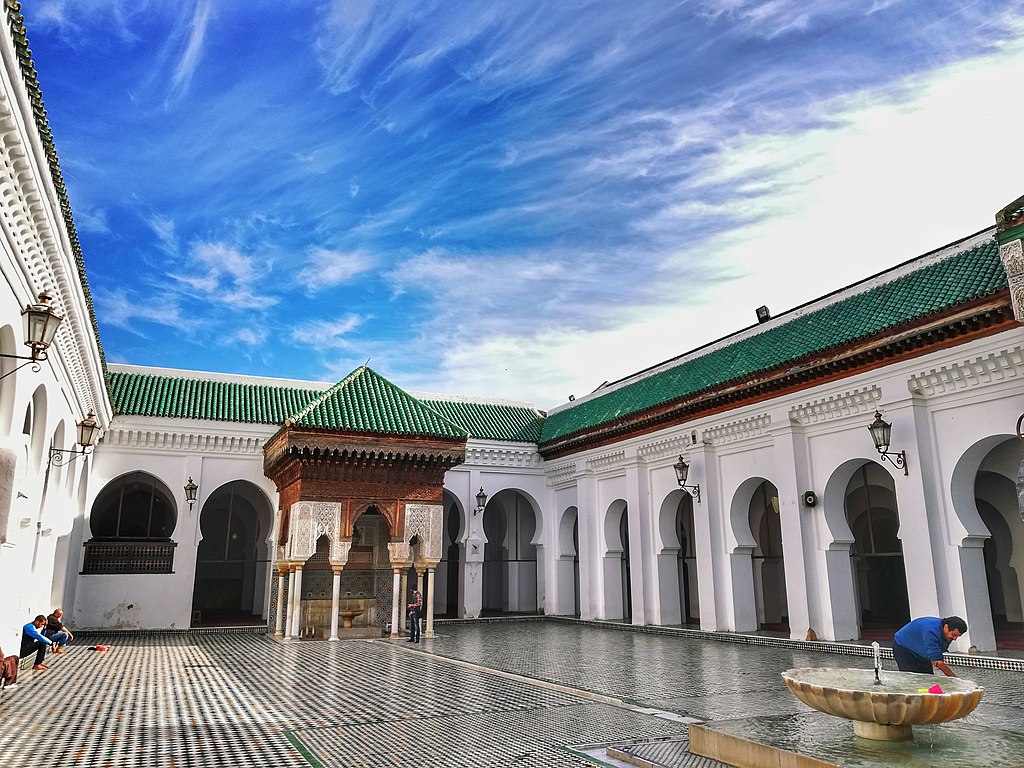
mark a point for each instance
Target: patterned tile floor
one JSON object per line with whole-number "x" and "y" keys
{"x": 497, "y": 694}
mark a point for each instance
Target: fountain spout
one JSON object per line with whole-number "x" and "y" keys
{"x": 878, "y": 662}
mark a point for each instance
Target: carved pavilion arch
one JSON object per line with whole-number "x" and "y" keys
{"x": 328, "y": 478}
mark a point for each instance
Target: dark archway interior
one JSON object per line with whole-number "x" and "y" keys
{"x": 231, "y": 561}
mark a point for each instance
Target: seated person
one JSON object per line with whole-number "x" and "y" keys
{"x": 57, "y": 632}
{"x": 8, "y": 671}
{"x": 32, "y": 639}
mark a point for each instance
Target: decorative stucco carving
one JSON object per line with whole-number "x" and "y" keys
{"x": 339, "y": 552}
{"x": 424, "y": 521}
{"x": 309, "y": 521}
{"x": 995, "y": 368}
{"x": 1012, "y": 255}
{"x": 1017, "y": 297}
{"x": 743, "y": 429}
{"x": 145, "y": 439}
{"x": 607, "y": 460}
{"x": 837, "y": 406}
{"x": 503, "y": 457}
{"x": 398, "y": 552}
{"x": 560, "y": 473}
{"x": 668, "y": 446}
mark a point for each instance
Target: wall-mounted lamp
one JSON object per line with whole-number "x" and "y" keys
{"x": 1020, "y": 423}
{"x": 87, "y": 429}
{"x": 481, "y": 502}
{"x": 191, "y": 489}
{"x": 40, "y": 324}
{"x": 881, "y": 433}
{"x": 682, "y": 472}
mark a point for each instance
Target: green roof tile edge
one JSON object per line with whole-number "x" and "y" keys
{"x": 561, "y": 425}
{"x": 19, "y": 36}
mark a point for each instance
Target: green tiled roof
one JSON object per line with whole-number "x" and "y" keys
{"x": 364, "y": 401}
{"x": 141, "y": 394}
{"x": 968, "y": 275}
{"x": 492, "y": 421}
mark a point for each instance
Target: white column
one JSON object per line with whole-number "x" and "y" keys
{"x": 396, "y": 600}
{"x": 289, "y": 604}
{"x": 297, "y": 611}
{"x": 430, "y": 603}
{"x": 802, "y": 603}
{"x": 281, "y": 589}
{"x": 643, "y": 586}
{"x": 335, "y": 600}
{"x": 404, "y": 602}
{"x": 590, "y": 555}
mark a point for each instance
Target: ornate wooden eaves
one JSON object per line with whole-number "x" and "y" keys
{"x": 330, "y": 464}
{"x": 957, "y": 325}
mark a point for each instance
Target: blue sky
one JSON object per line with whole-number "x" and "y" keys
{"x": 509, "y": 199}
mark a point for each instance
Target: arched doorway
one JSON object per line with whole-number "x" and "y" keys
{"x": 995, "y": 493}
{"x": 449, "y": 570}
{"x": 686, "y": 561}
{"x": 568, "y": 564}
{"x": 232, "y": 560}
{"x": 879, "y": 571}
{"x": 510, "y": 554}
{"x": 677, "y": 561}
{"x": 768, "y": 563}
{"x": 617, "y": 577}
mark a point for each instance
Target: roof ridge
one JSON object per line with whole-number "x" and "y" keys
{"x": 323, "y": 397}
{"x": 400, "y": 402}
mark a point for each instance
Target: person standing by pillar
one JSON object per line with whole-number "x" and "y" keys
{"x": 415, "y": 605}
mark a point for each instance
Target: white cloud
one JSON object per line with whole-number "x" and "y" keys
{"x": 327, "y": 268}
{"x": 251, "y": 336}
{"x": 123, "y": 310}
{"x": 327, "y": 334}
{"x": 892, "y": 174}
{"x": 91, "y": 220}
{"x": 193, "y": 52}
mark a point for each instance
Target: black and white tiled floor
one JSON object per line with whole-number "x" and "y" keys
{"x": 196, "y": 700}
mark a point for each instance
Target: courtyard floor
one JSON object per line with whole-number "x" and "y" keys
{"x": 533, "y": 693}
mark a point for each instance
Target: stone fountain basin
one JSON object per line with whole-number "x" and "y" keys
{"x": 887, "y": 711}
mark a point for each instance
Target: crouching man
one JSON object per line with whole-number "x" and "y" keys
{"x": 32, "y": 639}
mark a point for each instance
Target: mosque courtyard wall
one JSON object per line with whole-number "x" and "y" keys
{"x": 801, "y": 526}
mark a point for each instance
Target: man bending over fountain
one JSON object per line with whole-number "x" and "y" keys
{"x": 919, "y": 645}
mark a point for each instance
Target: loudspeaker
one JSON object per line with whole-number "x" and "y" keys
{"x": 810, "y": 499}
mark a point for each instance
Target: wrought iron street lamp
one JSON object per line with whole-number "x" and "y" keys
{"x": 682, "y": 472}
{"x": 481, "y": 502}
{"x": 40, "y": 324}
{"x": 881, "y": 435}
{"x": 87, "y": 429}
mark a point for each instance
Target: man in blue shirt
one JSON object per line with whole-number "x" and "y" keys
{"x": 32, "y": 639}
{"x": 920, "y": 645}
